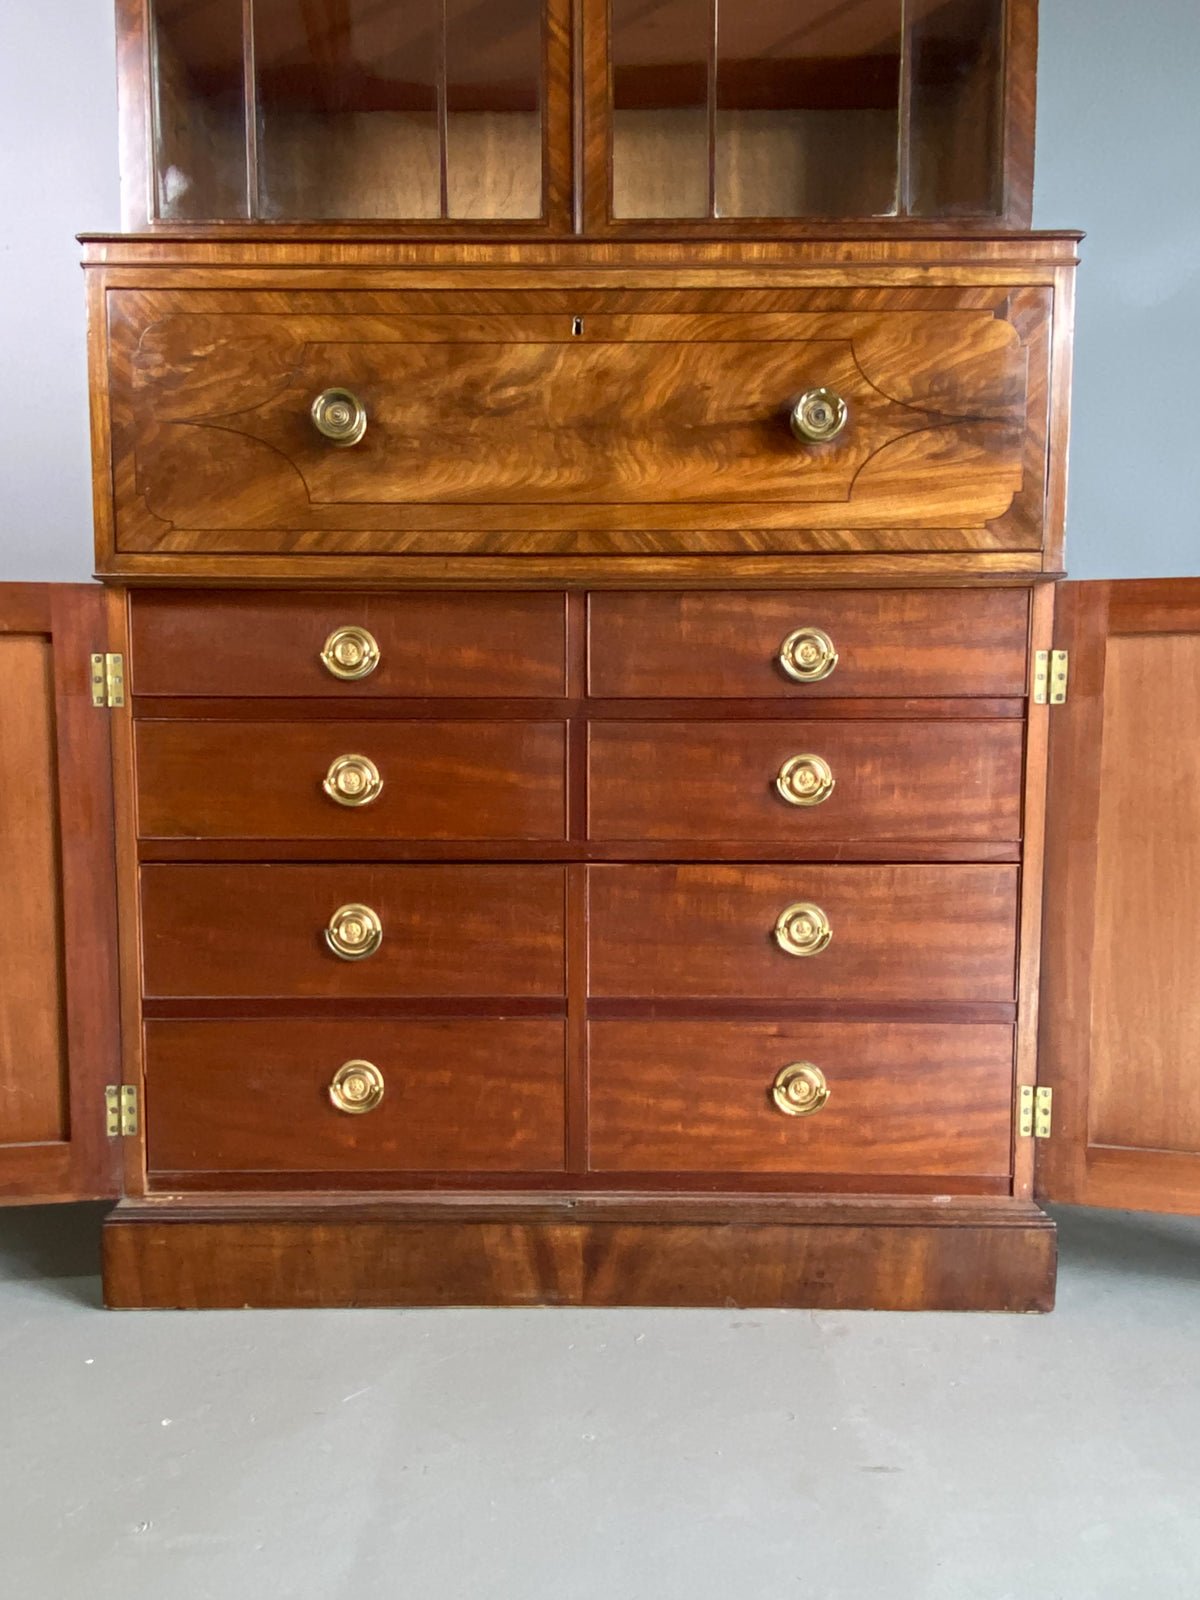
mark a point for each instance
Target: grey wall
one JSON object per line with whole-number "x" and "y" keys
{"x": 1118, "y": 154}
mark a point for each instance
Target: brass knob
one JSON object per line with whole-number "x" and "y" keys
{"x": 805, "y": 781}
{"x": 800, "y": 1090}
{"x": 353, "y": 781}
{"x": 818, "y": 416}
{"x": 803, "y": 930}
{"x": 340, "y": 417}
{"x": 808, "y": 655}
{"x": 354, "y": 932}
{"x": 357, "y": 1087}
{"x": 350, "y": 653}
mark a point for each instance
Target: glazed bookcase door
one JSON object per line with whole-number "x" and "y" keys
{"x": 1120, "y": 1029}
{"x": 58, "y": 995}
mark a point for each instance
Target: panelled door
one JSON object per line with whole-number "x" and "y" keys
{"x": 1120, "y": 1011}
{"x": 59, "y": 1030}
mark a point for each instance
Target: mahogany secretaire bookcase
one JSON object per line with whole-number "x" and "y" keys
{"x": 578, "y": 783}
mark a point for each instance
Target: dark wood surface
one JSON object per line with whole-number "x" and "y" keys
{"x": 476, "y": 1095}
{"x": 262, "y": 644}
{"x": 441, "y": 780}
{"x": 892, "y": 781}
{"x": 259, "y": 930}
{"x": 59, "y": 1036}
{"x": 719, "y": 1250}
{"x": 903, "y": 1098}
{"x": 1120, "y": 1020}
{"x": 900, "y": 933}
{"x": 890, "y": 642}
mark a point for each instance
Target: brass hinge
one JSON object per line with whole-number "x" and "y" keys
{"x": 1035, "y": 1112}
{"x": 121, "y": 1110}
{"x": 1050, "y": 677}
{"x": 108, "y": 680}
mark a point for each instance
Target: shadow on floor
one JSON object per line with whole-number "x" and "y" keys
{"x": 57, "y": 1247}
{"x": 1138, "y": 1244}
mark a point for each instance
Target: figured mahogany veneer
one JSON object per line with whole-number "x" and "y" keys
{"x": 903, "y": 1098}
{"x": 258, "y": 930}
{"x": 475, "y": 1095}
{"x": 441, "y": 780}
{"x": 892, "y": 780}
{"x": 945, "y": 933}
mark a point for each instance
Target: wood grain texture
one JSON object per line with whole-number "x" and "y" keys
{"x": 892, "y": 781}
{"x": 719, "y": 1251}
{"x": 1119, "y": 1019}
{"x": 259, "y": 931}
{"x": 899, "y": 933}
{"x": 254, "y": 1095}
{"x": 265, "y": 644}
{"x": 903, "y": 1098}
{"x": 441, "y": 780}
{"x": 890, "y": 642}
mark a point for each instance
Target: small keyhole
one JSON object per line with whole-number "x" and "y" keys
{"x": 577, "y": 327}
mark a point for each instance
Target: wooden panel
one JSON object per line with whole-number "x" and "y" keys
{"x": 441, "y": 780}
{"x": 259, "y": 930}
{"x": 33, "y": 1067}
{"x": 260, "y": 644}
{"x": 484, "y": 422}
{"x": 254, "y": 1096}
{"x": 903, "y": 1098}
{"x": 566, "y": 1250}
{"x": 892, "y": 781}
{"x": 899, "y": 933}
{"x": 893, "y": 642}
{"x": 1121, "y": 1016}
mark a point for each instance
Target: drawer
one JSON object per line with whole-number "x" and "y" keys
{"x": 936, "y": 933}
{"x": 270, "y": 931}
{"x": 254, "y": 1096}
{"x": 903, "y": 1099}
{"x": 894, "y": 643}
{"x": 891, "y": 781}
{"x": 257, "y": 644}
{"x": 483, "y": 417}
{"x": 264, "y": 780}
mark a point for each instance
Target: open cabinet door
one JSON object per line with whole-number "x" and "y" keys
{"x": 59, "y": 1028}
{"x": 1120, "y": 1003}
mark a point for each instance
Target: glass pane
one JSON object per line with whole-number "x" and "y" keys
{"x": 808, "y": 108}
{"x": 348, "y": 108}
{"x": 957, "y": 111}
{"x": 660, "y": 61}
{"x": 493, "y": 109}
{"x": 199, "y": 110}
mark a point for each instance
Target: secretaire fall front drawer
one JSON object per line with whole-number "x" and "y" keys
{"x": 436, "y": 780}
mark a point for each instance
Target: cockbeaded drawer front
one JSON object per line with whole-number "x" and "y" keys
{"x": 343, "y": 931}
{"x": 845, "y": 933}
{"x": 812, "y": 644}
{"x": 795, "y": 783}
{"x": 348, "y": 1096}
{"x": 382, "y": 779}
{"x": 379, "y": 422}
{"x": 344, "y": 646}
{"x": 871, "y": 1098}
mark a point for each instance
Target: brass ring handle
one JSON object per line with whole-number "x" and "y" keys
{"x": 818, "y": 416}
{"x": 803, "y": 930}
{"x": 800, "y": 1090}
{"x": 354, "y": 932}
{"x": 808, "y": 655}
{"x": 353, "y": 781}
{"x": 357, "y": 1087}
{"x": 339, "y": 416}
{"x": 805, "y": 781}
{"x": 350, "y": 653}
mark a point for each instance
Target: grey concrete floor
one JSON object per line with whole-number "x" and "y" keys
{"x": 620, "y": 1455}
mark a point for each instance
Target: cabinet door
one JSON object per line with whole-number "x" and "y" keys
{"x": 58, "y": 997}
{"x": 1120, "y": 1026}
